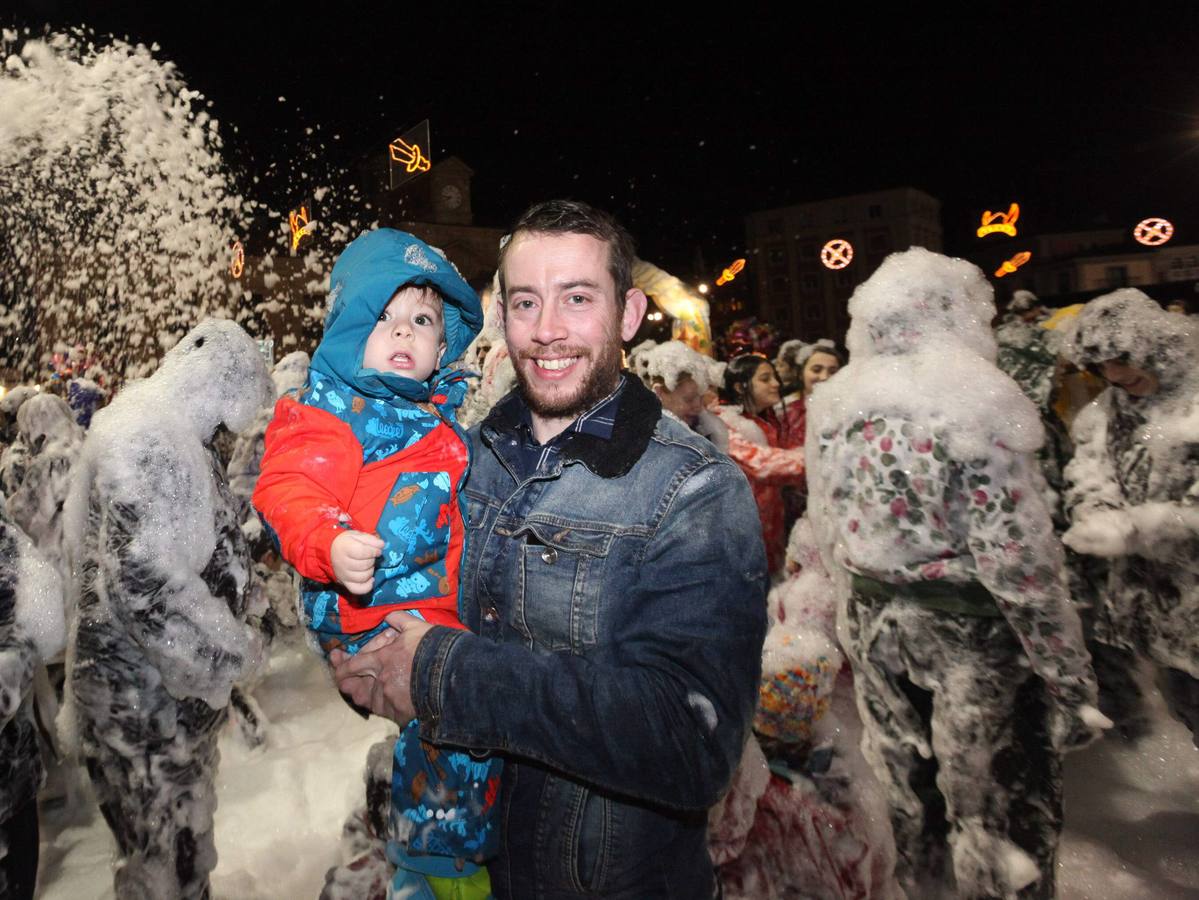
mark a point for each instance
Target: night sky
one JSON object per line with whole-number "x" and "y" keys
{"x": 680, "y": 123}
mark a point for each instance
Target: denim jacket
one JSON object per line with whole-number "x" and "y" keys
{"x": 616, "y": 604}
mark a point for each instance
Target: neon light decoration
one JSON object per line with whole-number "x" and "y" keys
{"x": 1153, "y": 232}
{"x": 837, "y": 253}
{"x": 1004, "y": 223}
{"x": 409, "y": 156}
{"x": 1011, "y": 265}
{"x": 731, "y": 272}
{"x": 299, "y": 226}
{"x": 239, "y": 260}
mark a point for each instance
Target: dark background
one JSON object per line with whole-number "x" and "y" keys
{"x": 680, "y": 121}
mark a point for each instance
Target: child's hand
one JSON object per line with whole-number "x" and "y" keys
{"x": 353, "y": 556}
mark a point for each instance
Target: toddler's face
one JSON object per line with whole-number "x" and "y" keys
{"x": 407, "y": 339}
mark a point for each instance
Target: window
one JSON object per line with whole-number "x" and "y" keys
{"x": 776, "y": 258}
{"x": 778, "y": 284}
{"x": 875, "y": 211}
{"x": 774, "y": 226}
{"x": 812, "y": 312}
{"x": 809, "y": 283}
{"x": 1116, "y": 276}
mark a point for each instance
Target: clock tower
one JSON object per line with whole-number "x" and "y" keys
{"x": 449, "y": 192}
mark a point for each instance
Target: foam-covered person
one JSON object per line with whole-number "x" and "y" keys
{"x": 1133, "y": 485}
{"x": 160, "y": 636}
{"x": 46, "y": 427}
{"x": 32, "y": 631}
{"x": 679, "y": 377}
{"x": 970, "y": 671}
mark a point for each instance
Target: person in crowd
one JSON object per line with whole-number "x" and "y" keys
{"x": 614, "y": 590}
{"x": 679, "y": 377}
{"x": 159, "y": 636}
{"x": 969, "y": 665}
{"x": 32, "y": 632}
{"x": 763, "y": 443}
{"x": 361, "y": 481}
{"x": 801, "y": 367}
{"x": 1133, "y": 485}
{"x": 46, "y": 427}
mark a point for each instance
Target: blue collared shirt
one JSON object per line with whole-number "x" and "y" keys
{"x": 597, "y": 421}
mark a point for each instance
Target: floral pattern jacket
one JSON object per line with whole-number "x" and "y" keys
{"x": 906, "y": 511}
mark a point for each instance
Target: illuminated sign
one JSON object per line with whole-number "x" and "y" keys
{"x": 837, "y": 253}
{"x": 1004, "y": 223}
{"x": 410, "y": 155}
{"x": 1153, "y": 232}
{"x": 239, "y": 260}
{"x": 300, "y": 226}
{"x": 1011, "y": 265}
{"x": 731, "y": 272}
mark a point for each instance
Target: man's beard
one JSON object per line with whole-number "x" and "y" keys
{"x": 599, "y": 383}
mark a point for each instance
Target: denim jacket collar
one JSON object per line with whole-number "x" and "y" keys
{"x": 636, "y": 419}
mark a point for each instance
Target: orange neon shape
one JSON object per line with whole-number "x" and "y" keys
{"x": 1011, "y": 265}
{"x": 1153, "y": 232}
{"x": 837, "y": 253}
{"x": 299, "y": 226}
{"x": 731, "y": 272}
{"x": 1001, "y": 222}
{"x": 239, "y": 260}
{"x": 409, "y": 155}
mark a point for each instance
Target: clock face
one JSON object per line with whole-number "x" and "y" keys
{"x": 451, "y": 196}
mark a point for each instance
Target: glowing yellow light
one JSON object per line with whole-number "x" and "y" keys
{"x": 1011, "y": 265}
{"x": 1153, "y": 232}
{"x": 299, "y": 226}
{"x": 837, "y": 253}
{"x": 239, "y": 260}
{"x": 1002, "y": 222}
{"x": 703, "y": 288}
{"x": 731, "y": 272}
{"x": 409, "y": 156}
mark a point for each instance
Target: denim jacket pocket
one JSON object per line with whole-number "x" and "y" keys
{"x": 561, "y": 576}
{"x": 592, "y": 841}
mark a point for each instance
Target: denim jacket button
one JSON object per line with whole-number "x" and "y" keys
{"x": 491, "y": 614}
{"x": 549, "y": 556}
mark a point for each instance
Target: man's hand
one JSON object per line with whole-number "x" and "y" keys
{"x": 379, "y": 676}
{"x": 353, "y": 555}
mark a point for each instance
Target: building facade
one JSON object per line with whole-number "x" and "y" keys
{"x": 795, "y": 290}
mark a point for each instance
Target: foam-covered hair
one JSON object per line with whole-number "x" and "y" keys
{"x": 918, "y": 298}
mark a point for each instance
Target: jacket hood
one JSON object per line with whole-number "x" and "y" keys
{"x": 1127, "y": 324}
{"x": 366, "y": 275}
{"x": 918, "y": 299}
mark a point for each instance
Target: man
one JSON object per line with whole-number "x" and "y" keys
{"x": 615, "y": 587}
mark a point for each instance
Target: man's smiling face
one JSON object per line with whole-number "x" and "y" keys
{"x": 564, "y": 323}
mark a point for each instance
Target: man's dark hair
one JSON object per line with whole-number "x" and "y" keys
{"x": 575, "y": 217}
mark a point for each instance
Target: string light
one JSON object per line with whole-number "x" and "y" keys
{"x": 299, "y": 226}
{"x": 837, "y": 253}
{"x": 1153, "y": 232}
{"x": 731, "y": 272}
{"x": 409, "y": 156}
{"x": 1011, "y": 265}
{"x": 1004, "y": 223}
{"x": 239, "y": 260}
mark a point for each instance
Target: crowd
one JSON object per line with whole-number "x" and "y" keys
{"x": 613, "y": 605}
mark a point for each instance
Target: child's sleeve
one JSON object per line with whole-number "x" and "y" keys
{"x": 309, "y": 469}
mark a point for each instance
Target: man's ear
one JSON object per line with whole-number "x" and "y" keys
{"x": 635, "y": 303}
